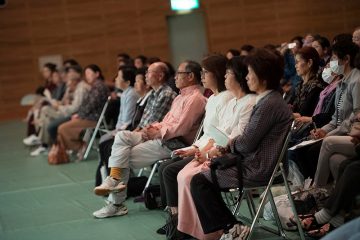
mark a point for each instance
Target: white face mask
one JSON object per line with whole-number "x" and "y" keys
{"x": 326, "y": 75}
{"x": 336, "y": 68}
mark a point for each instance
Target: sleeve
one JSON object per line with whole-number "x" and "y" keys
{"x": 311, "y": 102}
{"x": 162, "y": 106}
{"x": 129, "y": 111}
{"x": 74, "y": 106}
{"x": 244, "y": 117}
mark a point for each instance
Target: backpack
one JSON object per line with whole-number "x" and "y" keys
{"x": 152, "y": 198}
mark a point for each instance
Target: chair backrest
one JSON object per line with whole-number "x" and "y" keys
{"x": 199, "y": 132}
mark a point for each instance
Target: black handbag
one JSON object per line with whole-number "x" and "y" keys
{"x": 174, "y": 143}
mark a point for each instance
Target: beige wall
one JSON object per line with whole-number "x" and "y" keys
{"x": 94, "y": 31}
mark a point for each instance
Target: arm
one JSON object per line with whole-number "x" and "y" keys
{"x": 129, "y": 111}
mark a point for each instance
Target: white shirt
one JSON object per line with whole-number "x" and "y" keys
{"x": 212, "y": 112}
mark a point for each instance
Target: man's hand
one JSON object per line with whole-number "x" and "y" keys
{"x": 152, "y": 133}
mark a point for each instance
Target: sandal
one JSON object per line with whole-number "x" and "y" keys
{"x": 308, "y": 222}
{"x": 320, "y": 232}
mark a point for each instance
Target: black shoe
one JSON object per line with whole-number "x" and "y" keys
{"x": 162, "y": 230}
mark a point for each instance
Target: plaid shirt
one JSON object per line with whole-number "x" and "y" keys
{"x": 158, "y": 104}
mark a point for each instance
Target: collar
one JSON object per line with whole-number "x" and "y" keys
{"x": 190, "y": 89}
{"x": 262, "y": 95}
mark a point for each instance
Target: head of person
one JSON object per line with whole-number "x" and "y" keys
{"x": 125, "y": 77}
{"x": 56, "y": 78}
{"x": 235, "y": 77}
{"x": 356, "y": 36}
{"x": 343, "y": 57}
{"x": 157, "y": 74}
{"x": 307, "y": 61}
{"x": 48, "y": 70}
{"x": 188, "y": 74}
{"x": 342, "y": 37}
{"x": 265, "y": 69}
{"x": 246, "y": 49}
{"x": 298, "y": 40}
{"x": 140, "y": 61}
{"x": 213, "y": 72}
{"x": 308, "y": 39}
{"x": 92, "y": 73}
{"x": 70, "y": 62}
{"x": 73, "y": 76}
{"x": 141, "y": 87}
{"x": 232, "y": 53}
{"x": 123, "y": 59}
{"x": 322, "y": 46}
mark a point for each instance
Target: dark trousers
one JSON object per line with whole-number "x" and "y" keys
{"x": 306, "y": 158}
{"x": 213, "y": 213}
{"x": 168, "y": 172}
{"x": 30, "y": 126}
{"x": 53, "y": 127}
{"x": 346, "y": 189}
{"x": 104, "y": 154}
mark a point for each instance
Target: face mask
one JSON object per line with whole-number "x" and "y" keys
{"x": 336, "y": 68}
{"x": 326, "y": 75}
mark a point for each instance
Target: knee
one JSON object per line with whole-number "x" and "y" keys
{"x": 168, "y": 174}
{"x": 197, "y": 181}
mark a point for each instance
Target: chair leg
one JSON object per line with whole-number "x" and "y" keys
{"x": 276, "y": 215}
{"x": 238, "y": 202}
{"x": 288, "y": 191}
{"x": 140, "y": 172}
{"x": 150, "y": 176}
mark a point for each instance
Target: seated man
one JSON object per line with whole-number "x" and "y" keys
{"x": 144, "y": 147}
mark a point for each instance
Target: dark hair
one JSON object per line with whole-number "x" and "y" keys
{"x": 142, "y": 58}
{"x": 267, "y": 67}
{"x": 323, "y": 41}
{"x": 195, "y": 68}
{"x": 96, "y": 69}
{"x": 216, "y": 64}
{"x": 71, "y": 62}
{"x": 238, "y": 66}
{"x": 171, "y": 69}
{"x": 50, "y": 66}
{"x": 308, "y": 53}
{"x": 76, "y": 68}
{"x": 247, "y": 47}
{"x": 299, "y": 39}
{"x": 152, "y": 60}
{"x": 141, "y": 71}
{"x": 125, "y": 56}
{"x": 343, "y": 48}
{"x": 128, "y": 73}
{"x": 234, "y": 52}
{"x": 342, "y": 37}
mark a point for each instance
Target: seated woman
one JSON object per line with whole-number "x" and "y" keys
{"x": 234, "y": 118}
{"x": 307, "y": 92}
{"x": 347, "y": 103}
{"x": 89, "y": 113}
{"x": 254, "y": 154}
{"x": 341, "y": 200}
{"x": 143, "y": 90}
{"x": 322, "y": 46}
{"x": 213, "y": 72}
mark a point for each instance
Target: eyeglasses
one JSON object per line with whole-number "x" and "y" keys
{"x": 179, "y": 72}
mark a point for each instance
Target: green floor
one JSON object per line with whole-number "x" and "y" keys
{"x": 39, "y": 201}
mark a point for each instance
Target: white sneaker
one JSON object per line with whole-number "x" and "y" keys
{"x": 109, "y": 185}
{"x": 38, "y": 151}
{"x": 110, "y": 210}
{"x": 237, "y": 232}
{"x": 32, "y": 140}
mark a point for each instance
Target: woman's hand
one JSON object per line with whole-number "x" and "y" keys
{"x": 186, "y": 152}
{"x": 74, "y": 116}
{"x": 200, "y": 157}
{"x": 318, "y": 133}
{"x": 304, "y": 119}
{"x": 296, "y": 115}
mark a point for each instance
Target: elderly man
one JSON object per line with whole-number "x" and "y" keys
{"x": 142, "y": 148}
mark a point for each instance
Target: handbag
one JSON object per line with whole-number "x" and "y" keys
{"x": 174, "y": 143}
{"x": 57, "y": 154}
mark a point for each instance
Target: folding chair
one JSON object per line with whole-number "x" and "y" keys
{"x": 234, "y": 200}
{"x": 100, "y": 126}
{"x": 159, "y": 162}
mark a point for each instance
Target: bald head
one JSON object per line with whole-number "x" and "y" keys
{"x": 157, "y": 75}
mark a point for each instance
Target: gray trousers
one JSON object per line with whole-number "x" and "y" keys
{"x": 129, "y": 151}
{"x": 334, "y": 150}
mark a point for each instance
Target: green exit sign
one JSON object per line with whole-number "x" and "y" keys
{"x": 184, "y": 5}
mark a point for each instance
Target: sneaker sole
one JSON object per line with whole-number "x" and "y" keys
{"x": 104, "y": 191}
{"x": 115, "y": 215}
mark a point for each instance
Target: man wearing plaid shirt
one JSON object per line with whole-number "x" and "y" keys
{"x": 143, "y": 147}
